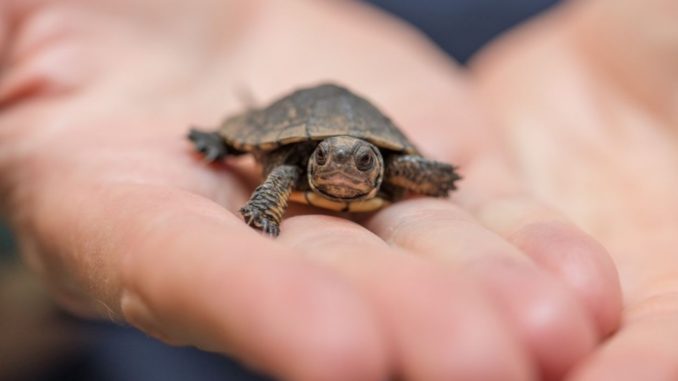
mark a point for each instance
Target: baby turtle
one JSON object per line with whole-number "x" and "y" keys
{"x": 327, "y": 147}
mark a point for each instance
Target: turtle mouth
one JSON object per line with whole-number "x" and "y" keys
{"x": 340, "y": 177}
{"x": 333, "y": 196}
{"x": 340, "y": 187}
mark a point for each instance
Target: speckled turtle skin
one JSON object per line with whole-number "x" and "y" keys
{"x": 283, "y": 138}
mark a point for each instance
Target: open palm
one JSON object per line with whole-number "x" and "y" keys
{"x": 123, "y": 220}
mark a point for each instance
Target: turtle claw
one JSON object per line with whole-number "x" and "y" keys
{"x": 209, "y": 144}
{"x": 250, "y": 215}
{"x": 258, "y": 219}
{"x": 448, "y": 180}
{"x": 270, "y": 228}
{"x": 211, "y": 155}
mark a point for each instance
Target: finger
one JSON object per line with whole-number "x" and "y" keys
{"x": 441, "y": 327}
{"x": 180, "y": 268}
{"x": 540, "y": 310}
{"x": 545, "y": 236}
{"x": 491, "y": 191}
{"x": 44, "y": 56}
{"x": 564, "y": 250}
{"x": 645, "y": 349}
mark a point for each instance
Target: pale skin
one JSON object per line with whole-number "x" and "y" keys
{"x": 600, "y": 141}
{"x": 121, "y": 220}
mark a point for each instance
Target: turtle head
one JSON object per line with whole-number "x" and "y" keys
{"x": 344, "y": 168}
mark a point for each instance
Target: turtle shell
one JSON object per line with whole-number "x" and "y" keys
{"x": 311, "y": 114}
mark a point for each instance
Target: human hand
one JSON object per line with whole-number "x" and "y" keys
{"x": 121, "y": 219}
{"x": 588, "y": 100}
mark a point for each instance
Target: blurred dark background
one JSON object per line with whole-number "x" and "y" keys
{"x": 462, "y": 27}
{"x": 39, "y": 343}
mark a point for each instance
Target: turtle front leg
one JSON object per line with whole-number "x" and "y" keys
{"x": 420, "y": 175}
{"x": 268, "y": 203}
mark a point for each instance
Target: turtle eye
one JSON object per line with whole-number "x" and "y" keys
{"x": 365, "y": 161}
{"x": 320, "y": 156}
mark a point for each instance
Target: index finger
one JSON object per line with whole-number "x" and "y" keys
{"x": 182, "y": 269}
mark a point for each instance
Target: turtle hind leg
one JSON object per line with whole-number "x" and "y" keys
{"x": 210, "y": 144}
{"x": 268, "y": 202}
{"x": 420, "y": 175}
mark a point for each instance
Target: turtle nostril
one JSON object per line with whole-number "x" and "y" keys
{"x": 341, "y": 155}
